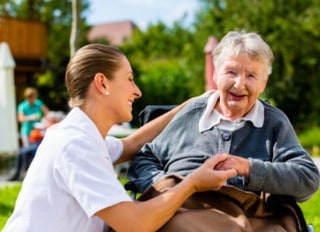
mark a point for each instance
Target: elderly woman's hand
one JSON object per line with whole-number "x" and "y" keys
{"x": 242, "y": 165}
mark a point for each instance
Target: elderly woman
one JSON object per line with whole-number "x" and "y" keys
{"x": 259, "y": 139}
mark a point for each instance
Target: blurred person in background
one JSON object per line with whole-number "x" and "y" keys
{"x": 30, "y": 111}
{"x": 26, "y": 153}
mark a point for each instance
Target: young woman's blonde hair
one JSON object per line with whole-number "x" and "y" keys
{"x": 86, "y": 62}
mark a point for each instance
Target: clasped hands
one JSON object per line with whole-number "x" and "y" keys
{"x": 240, "y": 164}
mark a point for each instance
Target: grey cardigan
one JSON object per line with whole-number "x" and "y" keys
{"x": 278, "y": 163}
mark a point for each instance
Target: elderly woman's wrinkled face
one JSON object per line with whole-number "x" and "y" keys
{"x": 240, "y": 80}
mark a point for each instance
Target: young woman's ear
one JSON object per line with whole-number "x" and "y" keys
{"x": 101, "y": 83}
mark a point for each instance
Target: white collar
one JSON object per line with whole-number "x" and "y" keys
{"x": 211, "y": 117}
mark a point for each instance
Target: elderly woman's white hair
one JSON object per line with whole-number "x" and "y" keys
{"x": 242, "y": 42}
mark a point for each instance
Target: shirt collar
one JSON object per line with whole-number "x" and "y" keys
{"x": 82, "y": 121}
{"x": 211, "y": 117}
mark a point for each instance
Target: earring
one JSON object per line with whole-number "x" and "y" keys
{"x": 107, "y": 93}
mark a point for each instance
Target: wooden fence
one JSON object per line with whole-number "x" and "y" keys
{"x": 26, "y": 39}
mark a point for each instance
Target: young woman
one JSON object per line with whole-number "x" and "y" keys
{"x": 71, "y": 184}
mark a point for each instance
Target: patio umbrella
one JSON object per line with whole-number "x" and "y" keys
{"x": 8, "y": 118}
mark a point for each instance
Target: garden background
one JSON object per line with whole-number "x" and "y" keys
{"x": 168, "y": 61}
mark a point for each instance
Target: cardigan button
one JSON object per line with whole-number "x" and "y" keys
{"x": 226, "y": 136}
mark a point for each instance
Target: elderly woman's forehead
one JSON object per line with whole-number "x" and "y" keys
{"x": 234, "y": 54}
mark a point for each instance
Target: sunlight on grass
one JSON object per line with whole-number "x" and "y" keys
{"x": 8, "y": 197}
{"x": 311, "y": 210}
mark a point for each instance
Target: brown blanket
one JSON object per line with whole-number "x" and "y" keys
{"x": 230, "y": 209}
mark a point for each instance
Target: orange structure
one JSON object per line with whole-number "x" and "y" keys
{"x": 26, "y": 39}
{"x": 28, "y": 43}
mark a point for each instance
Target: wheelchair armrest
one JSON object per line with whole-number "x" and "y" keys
{"x": 149, "y": 113}
{"x": 152, "y": 111}
{"x": 130, "y": 186}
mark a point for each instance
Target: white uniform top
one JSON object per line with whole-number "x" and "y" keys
{"x": 70, "y": 179}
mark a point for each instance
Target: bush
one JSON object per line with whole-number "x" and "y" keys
{"x": 310, "y": 140}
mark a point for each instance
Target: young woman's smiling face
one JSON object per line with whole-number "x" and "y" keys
{"x": 240, "y": 80}
{"x": 123, "y": 92}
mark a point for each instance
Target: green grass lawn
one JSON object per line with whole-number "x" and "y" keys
{"x": 311, "y": 211}
{"x": 8, "y": 197}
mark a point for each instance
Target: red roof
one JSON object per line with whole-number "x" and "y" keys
{"x": 115, "y": 33}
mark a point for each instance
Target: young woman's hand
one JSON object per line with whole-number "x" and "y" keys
{"x": 208, "y": 177}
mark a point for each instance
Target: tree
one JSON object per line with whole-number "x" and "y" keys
{"x": 163, "y": 56}
{"x": 158, "y": 59}
{"x": 58, "y": 17}
{"x": 75, "y": 30}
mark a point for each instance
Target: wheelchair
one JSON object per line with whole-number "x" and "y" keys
{"x": 149, "y": 113}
